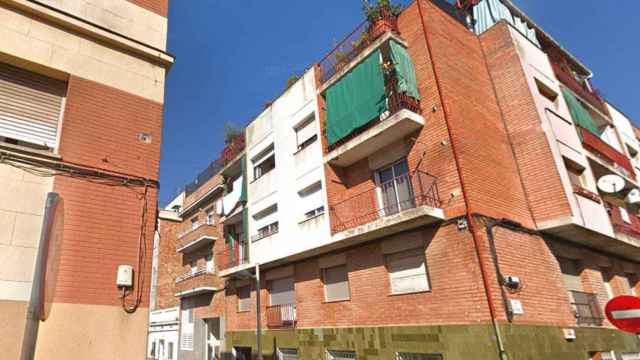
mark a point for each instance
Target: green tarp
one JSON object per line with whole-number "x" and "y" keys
{"x": 243, "y": 171}
{"x": 404, "y": 70}
{"x": 355, "y": 99}
{"x": 579, "y": 114}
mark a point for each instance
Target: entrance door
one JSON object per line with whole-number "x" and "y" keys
{"x": 242, "y": 353}
{"x": 395, "y": 190}
{"x": 213, "y": 338}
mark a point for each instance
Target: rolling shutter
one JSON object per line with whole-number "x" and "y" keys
{"x": 30, "y": 106}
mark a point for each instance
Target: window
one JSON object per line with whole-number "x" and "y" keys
{"x": 282, "y": 292}
{"x": 417, "y": 356}
{"x": 186, "y": 326}
{"x": 170, "y": 350}
{"x": 194, "y": 266}
{"x": 152, "y": 351}
{"x": 607, "y": 277}
{"x": 340, "y": 355}
{"x": 571, "y": 270}
{"x": 632, "y": 280}
{"x": 336, "y": 283}
{"x": 315, "y": 212}
{"x": 605, "y": 355}
{"x": 630, "y": 356}
{"x": 264, "y": 163}
{"x": 546, "y": 91}
{"x": 306, "y": 133}
{"x": 287, "y": 354}
{"x": 576, "y": 174}
{"x": 407, "y": 271}
{"x": 244, "y": 298}
{"x": 266, "y": 221}
{"x": 31, "y": 108}
{"x": 210, "y": 264}
{"x": 194, "y": 223}
{"x": 211, "y": 220}
{"x": 267, "y": 231}
{"x": 394, "y": 188}
{"x": 624, "y": 214}
{"x": 312, "y": 201}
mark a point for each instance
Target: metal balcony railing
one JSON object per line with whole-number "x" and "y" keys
{"x": 232, "y": 257}
{"x": 356, "y": 42}
{"x": 194, "y": 226}
{"x": 606, "y": 152}
{"x": 203, "y": 232}
{"x": 401, "y": 193}
{"x": 586, "y": 308}
{"x": 192, "y": 274}
{"x": 281, "y": 316}
{"x": 592, "y": 97}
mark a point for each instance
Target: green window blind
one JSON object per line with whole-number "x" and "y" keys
{"x": 579, "y": 114}
{"x": 404, "y": 70}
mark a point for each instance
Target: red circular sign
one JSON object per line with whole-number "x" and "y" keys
{"x": 624, "y": 313}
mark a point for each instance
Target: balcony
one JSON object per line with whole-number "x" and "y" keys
{"x": 281, "y": 316}
{"x": 203, "y": 233}
{"x": 606, "y": 152}
{"x": 403, "y": 203}
{"x": 199, "y": 282}
{"x": 403, "y": 120}
{"x": 626, "y": 227}
{"x": 586, "y": 308}
{"x": 231, "y": 259}
{"x": 593, "y": 98}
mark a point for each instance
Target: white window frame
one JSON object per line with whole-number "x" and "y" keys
{"x": 340, "y": 354}
{"x": 211, "y": 219}
{"x": 260, "y": 159}
{"x": 417, "y": 356}
{"x": 419, "y": 272}
{"x": 282, "y": 351}
{"x": 302, "y": 144}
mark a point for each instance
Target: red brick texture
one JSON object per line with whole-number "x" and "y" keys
{"x": 540, "y": 176}
{"x": 102, "y": 223}
{"x": 160, "y": 7}
{"x": 169, "y": 265}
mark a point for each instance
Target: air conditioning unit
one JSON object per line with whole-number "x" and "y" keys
{"x": 633, "y": 197}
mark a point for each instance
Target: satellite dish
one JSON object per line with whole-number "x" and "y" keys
{"x": 611, "y": 183}
{"x": 633, "y": 197}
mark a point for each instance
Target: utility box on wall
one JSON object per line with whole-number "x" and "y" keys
{"x": 125, "y": 276}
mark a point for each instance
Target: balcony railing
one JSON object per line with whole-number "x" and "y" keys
{"x": 631, "y": 228}
{"x": 606, "y": 151}
{"x": 203, "y": 231}
{"x": 202, "y": 281}
{"x": 232, "y": 257}
{"x": 586, "y": 308}
{"x": 192, "y": 274}
{"x": 281, "y": 316}
{"x": 356, "y": 42}
{"x": 581, "y": 90}
{"x": 402, "y": 193}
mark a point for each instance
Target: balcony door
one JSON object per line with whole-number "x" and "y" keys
{"x": 395, "y": 192}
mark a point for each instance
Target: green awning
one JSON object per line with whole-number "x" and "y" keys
{"x": 243, "y": 171}
{"x": 404, "y": 70}
{"x": 357, "y": 98}
{"x": 579, "y": 114}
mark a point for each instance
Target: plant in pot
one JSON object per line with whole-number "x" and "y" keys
{"x": 233, "y": 142}
{"x": 341, "y": 60}
{"x": 381, "y": 16}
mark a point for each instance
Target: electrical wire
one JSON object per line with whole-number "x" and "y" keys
{"x": 51, "y": 168}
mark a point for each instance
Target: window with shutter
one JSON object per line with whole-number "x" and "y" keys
{"x": 186, "y": 327}
{"x": 30, "y": 107}
{"x": 340, "y": 355}
{"x": 571, "y": 270}
{"x": 287, "y": 354}
{"x": 281, "y": 291}
{"x": 417, "y": 356}
{"x": 407, "y": 271}
{"x": 311, "y": 200}
{"x": 306, "y": 133}
{"x": 244, "y": 298}
{"x": 336, "y": 283}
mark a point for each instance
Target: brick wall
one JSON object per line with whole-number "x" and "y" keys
{"x": 539, "y": 173}
{"x": 160, "y": 7}
{"x": 169, "y": 265}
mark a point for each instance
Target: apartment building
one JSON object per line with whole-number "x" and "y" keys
{"x": 478, "y": 199}
{"x": 81, "y": 98}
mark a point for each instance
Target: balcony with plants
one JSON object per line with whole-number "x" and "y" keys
{"x": 369, "y": 85}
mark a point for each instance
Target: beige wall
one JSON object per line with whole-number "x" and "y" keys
{"x": 32, "y": 40}
{"x": 12, "y": 320}
{"x": 93, "y": 332}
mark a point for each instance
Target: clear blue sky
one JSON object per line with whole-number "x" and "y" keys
{"x": 232, "y": 57}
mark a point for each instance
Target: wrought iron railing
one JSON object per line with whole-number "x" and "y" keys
{"x": 356, "y": 42}
{"x": 586, "y": 308}
{"x": 272, "y": 230}
{"x": 281, "y": 316}
{"x": 402, "y": 193}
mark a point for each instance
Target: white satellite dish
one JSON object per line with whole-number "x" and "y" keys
{"x": 611, "y": 183}
{"x": 633, "y": 197}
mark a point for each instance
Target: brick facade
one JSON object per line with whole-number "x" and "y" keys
{"x": 160, "y": 7}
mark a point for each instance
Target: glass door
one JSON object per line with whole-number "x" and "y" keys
{"x": 395, "y": 190}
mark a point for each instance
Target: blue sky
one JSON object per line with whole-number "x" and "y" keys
{"x": 231, "y": 59}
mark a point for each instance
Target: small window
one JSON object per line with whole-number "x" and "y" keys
{"x": 282, "y": 291}
{"x": 311, "y": 200}
{"x": 244, "y": 298}
{"x": 315, "y": 212}
{"x": 576, "y": 174}
{"x": 194, "y": 223}
{"x": 264, "y": 163}
{"x": 267, "y": 231}
{"x": 287, "y": 354}
{"x": 407, "y": 271}
{"x": 336, "y": 283}
{"x": 152, "y": 351}
{"x": 546, "y": 91}
{"x": 417, "y": 356}
{"x": 306, "y": 133}
{"x": 170, "y": 350}
{"x": 340, "y": 355}
{"x": 211, "y": 219}
{"x": 632, "y": 281}
{"x": 630, "y": 356}
{"x": 210, "y": 264}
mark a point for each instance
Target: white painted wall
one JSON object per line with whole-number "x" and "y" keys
{"x": 295, "y": 170}
{"x": 624, "y": 125}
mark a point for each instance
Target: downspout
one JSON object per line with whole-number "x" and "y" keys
{"x": 483, "y": 271}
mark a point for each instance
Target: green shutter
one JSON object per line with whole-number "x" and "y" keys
{"x": 356, "y": 99}
{"x": 404, "y": 70}
{"x": 243, "y": 171}
{"x": 579, "y": 114}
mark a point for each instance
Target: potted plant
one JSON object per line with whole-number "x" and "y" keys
{"x": 341, "y": 60}
{"x": 381, "y": 16}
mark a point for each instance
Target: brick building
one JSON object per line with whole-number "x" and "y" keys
{"x": 480, "y": 198}
{"x": 81, "y": 98}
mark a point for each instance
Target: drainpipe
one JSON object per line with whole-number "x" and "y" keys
{"x": 34, "y": 311}
{"x": 483, "y": 271}
{"x": 258, "y": 315}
